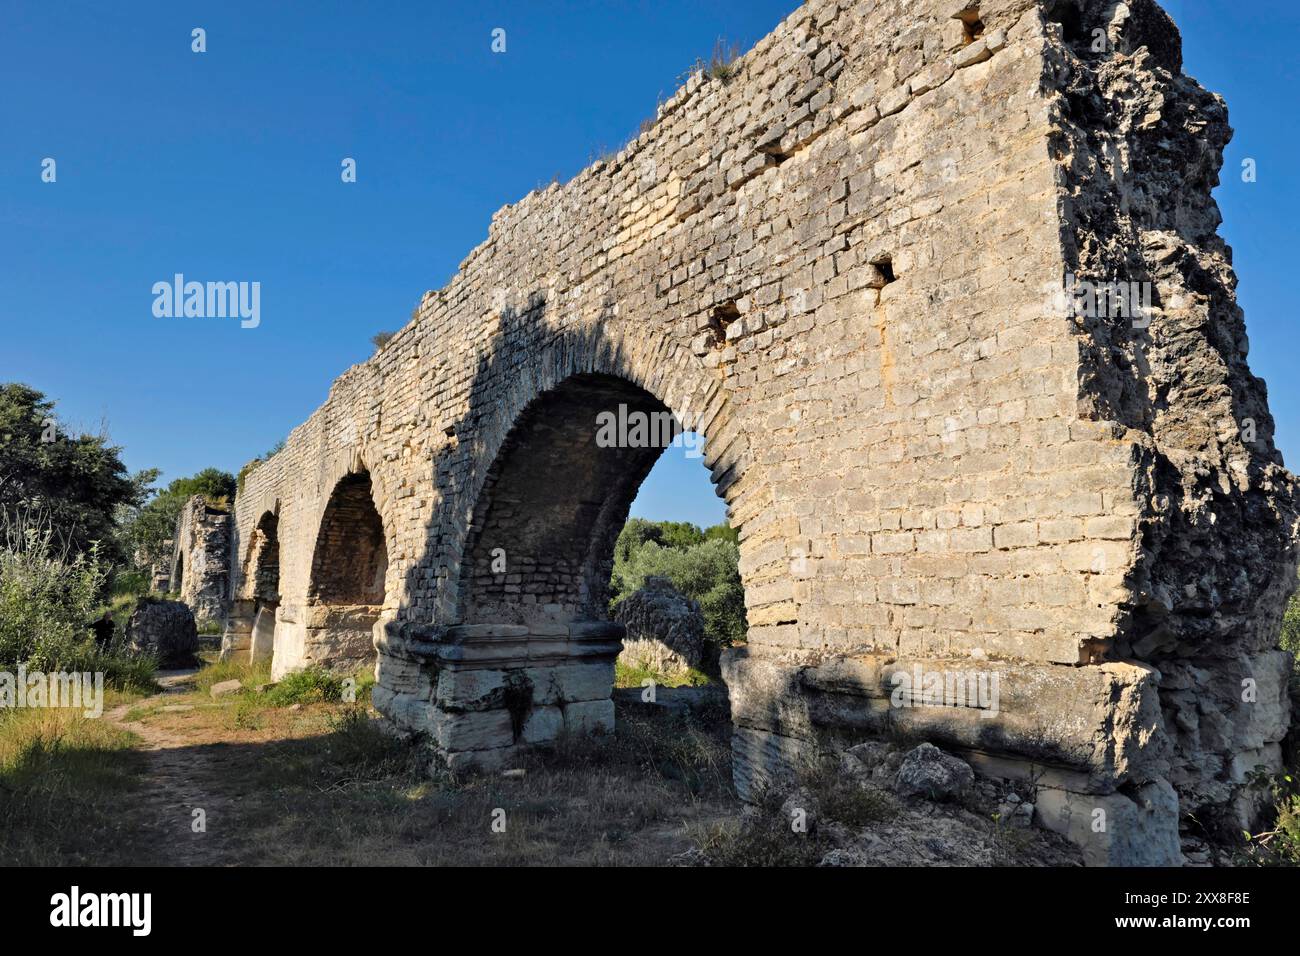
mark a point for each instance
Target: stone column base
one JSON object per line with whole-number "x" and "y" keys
{"x": 1089, "y": 739}
{"x": 238, "y": 635}
{"x": 486, "y": 691}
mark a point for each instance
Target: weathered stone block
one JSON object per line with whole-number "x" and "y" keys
{"x": 589, "y": 717}
{"x": 1117, "y": 829}
{"x": 481, "y": 730}
{"x": 542, "y": 725}
{"x": 476, "y": 689}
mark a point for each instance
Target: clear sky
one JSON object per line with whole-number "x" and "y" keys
{"x": 225, "y": 165}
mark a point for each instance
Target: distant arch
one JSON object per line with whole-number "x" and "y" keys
{"x": 262, "y": 571}
{"x": 541, "y": 540}
{"x": 346, "y": 591}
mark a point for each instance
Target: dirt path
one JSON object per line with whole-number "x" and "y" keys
{"x": 182, "y": 775}
{"x": 295, "y": 784}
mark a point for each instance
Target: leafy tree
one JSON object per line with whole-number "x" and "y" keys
{"x": 703, "y": 565}
{"x": 723, "y": 532}
{"x": 77, "y": 481}
{"x": 635, "y": 533}
{"x": 680, "y": 534}
{"x": 215, "y": 485}
{"x": 1291, "y": 629}
{"x": 147, "y": 529}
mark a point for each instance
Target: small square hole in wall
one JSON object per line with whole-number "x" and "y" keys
{"x": 971, "y": 24}
{"x": 723, "y": 315}
{"x": 883, "y": 272}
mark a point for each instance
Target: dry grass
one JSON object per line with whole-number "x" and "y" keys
{"x": 63, "y": 778}
{"x": 769, "y": 838}
{"x": 355, "y": 796}
{"x": 321, "y": 784}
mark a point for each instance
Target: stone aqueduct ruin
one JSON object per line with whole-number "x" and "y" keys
{"x": 851, "y": 268}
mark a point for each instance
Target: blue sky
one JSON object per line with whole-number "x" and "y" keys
{"x": 225, "y": 166}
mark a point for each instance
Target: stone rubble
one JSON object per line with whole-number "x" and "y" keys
{"x": 165, "y": 629}
{"x": 664, "y": 629}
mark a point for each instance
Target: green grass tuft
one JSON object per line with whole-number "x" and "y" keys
{"x": 628, "y": 676}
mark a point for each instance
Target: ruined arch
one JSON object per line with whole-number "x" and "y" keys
{"x": 262, "y": 572}
{"x": 659, "y": 376}
{"x": 528, "y": 650}
{"x": 346, "y": 590}
{"x": 540, "y": 543}
{"x": 351, "y": 555}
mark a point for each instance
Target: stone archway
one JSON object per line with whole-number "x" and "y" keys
{"x": 346, "y": 590}
{"x": 554, "y": 501}
{"x": 533, "y": 654}
{"x": 263, "y": 571}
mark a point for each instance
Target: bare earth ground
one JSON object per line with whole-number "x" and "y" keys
{"x": 182, "y": 771}
{"x": 182, "y": 778}
{"x": 321, "y": 784}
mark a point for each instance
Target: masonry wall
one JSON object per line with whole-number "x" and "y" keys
{"x": 842, "y": 266}
{"x": 200, "y": 565}
{"x": 1140, "y": 147}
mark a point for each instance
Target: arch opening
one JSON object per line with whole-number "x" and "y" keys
{"x": 541, "y": 542}
{"x": 533, "y": 654}
{"x": 263, "y": 570}
{"x": 346, "y": 590}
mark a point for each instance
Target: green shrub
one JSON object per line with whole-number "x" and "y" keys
{"x": 130, "y": 583}
{"x": 703, "y": 565}
{"x": 47, "y": 596}
{"x": 310, "y": 686}
{"x": 1291, "y": 629}
{"x": 628, "y": 676}
{"x": 1280, "y": 844}
{"x": 121, "y": 669}
{"x": 47, "y": 601}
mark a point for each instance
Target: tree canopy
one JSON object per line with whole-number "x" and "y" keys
{"x": 150, "y": 527}
{"x": 701, "y": 564}
{"x": 78, "y": 481}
